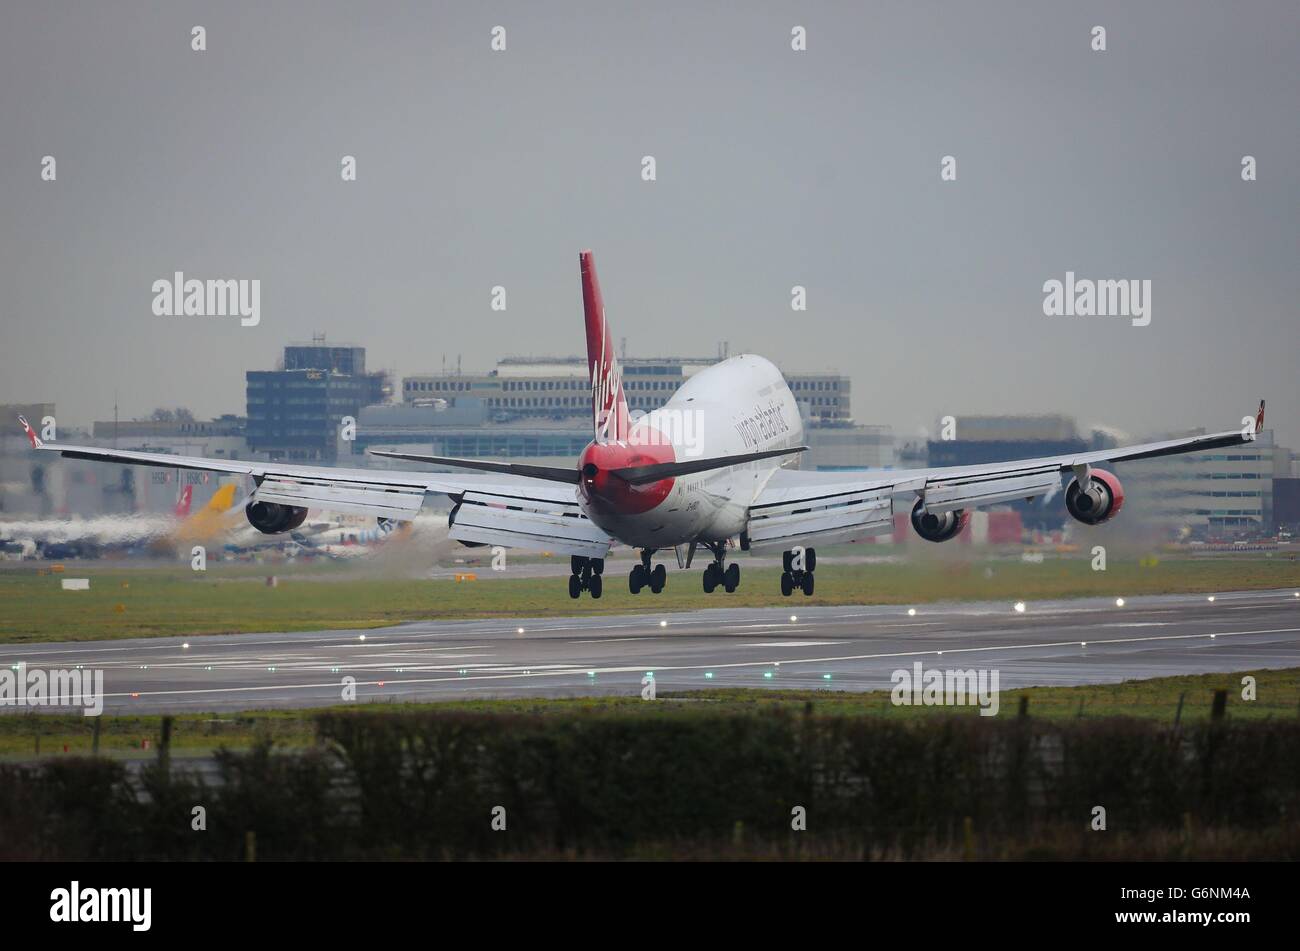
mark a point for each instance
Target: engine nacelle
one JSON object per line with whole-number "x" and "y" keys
{"x": 271, "y": 518}
{"x": 1099, "y": 502}
{"x": 940, "y": 526}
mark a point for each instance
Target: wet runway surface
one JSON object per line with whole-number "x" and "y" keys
{"x": 800, "y": 646}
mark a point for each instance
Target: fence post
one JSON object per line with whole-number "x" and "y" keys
{"x": 165, "y": 744}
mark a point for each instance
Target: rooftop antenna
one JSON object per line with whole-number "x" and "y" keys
{"x": 622, "y": 349}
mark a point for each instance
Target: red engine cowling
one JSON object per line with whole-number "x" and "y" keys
{"x": 1099, "y": 502}
{"x": 938, "y": 527}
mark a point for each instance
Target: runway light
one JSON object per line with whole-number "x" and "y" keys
{"x": 591, "y": 673}
{"x": 663, "y": 623}
{"x": 708, "y": 675}
{"x": 939, "y": 653}
{"x": 794, "y": 617}
{"x": 1211, "y": 637}
{"x": 911, "y": 612}
{"x": 1119, "y": 602}
{"x": 1210, "y": 599}
{"x": 1083, "y": 643}
{"x": 826, "y": 676}
{"x": 363, "y": 637}
{"x": 1297, "y": 594}
{"x": 185, "y": 646}
{"x": 767, "y": 674}
{"x": 519, "y": 630}
{"x": 1020, "y": 607}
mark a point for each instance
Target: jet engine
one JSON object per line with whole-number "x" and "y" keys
{"x": 1099, "y": 501}
{"x": 271, "y": 518}
{"x": 938, "y": 527}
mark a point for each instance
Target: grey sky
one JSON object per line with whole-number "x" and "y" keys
{"x": 775, "y": 168}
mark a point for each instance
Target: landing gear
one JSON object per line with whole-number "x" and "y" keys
{"x": 793, "y": 576}
{"x": 718, "y": 574}
{"x": 586, "y": 576}
{"x": 643, "y": 576}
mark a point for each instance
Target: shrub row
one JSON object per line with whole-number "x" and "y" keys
{"x": 428, "y": 785}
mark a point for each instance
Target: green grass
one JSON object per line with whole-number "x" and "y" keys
{"x": 143, "y": 602}
{"x": 1277, "y": 696}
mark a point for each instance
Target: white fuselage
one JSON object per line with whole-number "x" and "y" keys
{"x": 740, "y": 405}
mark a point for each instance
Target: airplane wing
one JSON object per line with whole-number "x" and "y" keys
{"x": 796, "y": 507}
{"x": 490, "y": 509}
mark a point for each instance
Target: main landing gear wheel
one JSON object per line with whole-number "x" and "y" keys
{"x": 793, "y": 577}
{"x": 718, "y": 574}
{"x": 586, "y": 576}
{"x": 643, "y": 576}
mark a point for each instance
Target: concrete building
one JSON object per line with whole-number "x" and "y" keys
{"x": 296, "y": 412}
{"x": 1223, "y": 493}
{"x": 559, "y": 386}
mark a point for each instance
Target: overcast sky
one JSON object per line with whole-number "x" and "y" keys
{"x": 775, "y": 168}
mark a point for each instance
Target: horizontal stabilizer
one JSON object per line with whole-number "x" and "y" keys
{"x": 550, "y": 473}
{"x": 639, "y": 475}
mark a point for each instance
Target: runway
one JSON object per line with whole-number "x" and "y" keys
{"x": 798, "y": 646}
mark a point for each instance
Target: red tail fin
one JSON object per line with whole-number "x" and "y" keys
{"x": 608, "y": 404}
{"x": 183, "y": 504}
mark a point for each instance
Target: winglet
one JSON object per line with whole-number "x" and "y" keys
{"x": 1259, "y": 418}
{"x": 31, "y": 435}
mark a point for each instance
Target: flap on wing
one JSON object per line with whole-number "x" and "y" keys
{"x": 534, "y": 524}
{"x": 839, "y": 517}
{"x": 395, "y": 502}
{"x": 976, "y": 490}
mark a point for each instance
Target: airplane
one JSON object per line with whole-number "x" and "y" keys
{"x": 709, "y": 467}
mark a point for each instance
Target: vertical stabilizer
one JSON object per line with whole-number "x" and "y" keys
{"x": 608, "y": 403}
